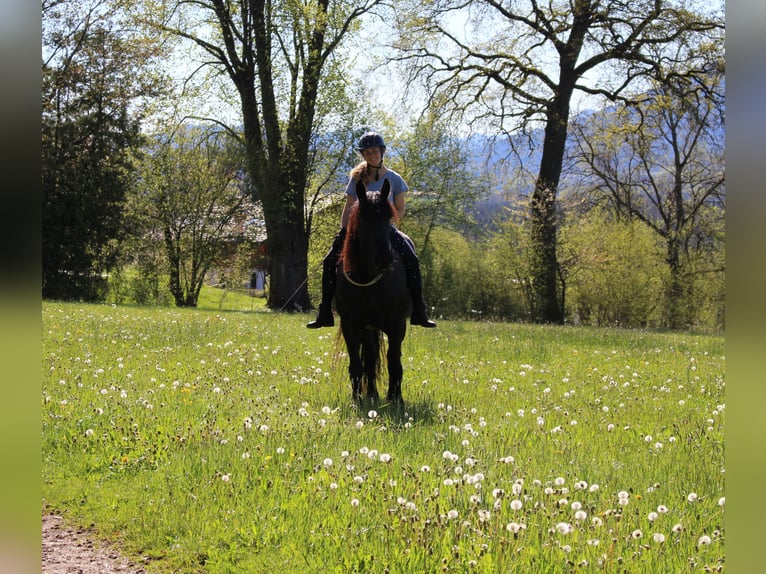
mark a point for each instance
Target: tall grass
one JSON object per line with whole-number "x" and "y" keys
{"x": 225, "y": 441}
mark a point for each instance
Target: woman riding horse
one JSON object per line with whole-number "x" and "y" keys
{"x": 372, "y": 173}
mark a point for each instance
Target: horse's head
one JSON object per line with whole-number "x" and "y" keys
{"x": 370, "y": 228}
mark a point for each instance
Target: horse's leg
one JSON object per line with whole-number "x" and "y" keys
{"x": 395, "y": 370}
{"x": 370, "y": 359}
{"x": 354, "y": 365}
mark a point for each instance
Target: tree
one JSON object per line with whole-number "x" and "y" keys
{"x": 191, "y": 194}
{"x": 662, "y": 163}
{"x": 94, "y": 81}
{"x": 518, "y": 65}
{"x": 435, "y": 162}
{"x": 277, "y": 55}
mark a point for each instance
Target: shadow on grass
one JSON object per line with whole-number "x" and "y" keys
{"x": 420, "y": 412}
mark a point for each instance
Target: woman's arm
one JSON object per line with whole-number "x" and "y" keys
{"x": 398, "y": 206}
{"x": 350, "y": 200}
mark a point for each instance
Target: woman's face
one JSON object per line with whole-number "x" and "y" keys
{"x": 372, "y": 156}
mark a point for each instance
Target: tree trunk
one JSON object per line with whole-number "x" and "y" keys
{"x": 677, "y": 307}
{"x": 545, "y": 305}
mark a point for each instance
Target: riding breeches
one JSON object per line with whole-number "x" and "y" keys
{"x": 406, "y": 248}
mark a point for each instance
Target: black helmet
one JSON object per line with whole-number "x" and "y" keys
{"x": 371, "y": 139}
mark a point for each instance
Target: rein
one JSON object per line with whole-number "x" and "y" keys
{"x": 368, "y": 284}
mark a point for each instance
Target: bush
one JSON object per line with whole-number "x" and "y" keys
{"x": 615, "y": 272}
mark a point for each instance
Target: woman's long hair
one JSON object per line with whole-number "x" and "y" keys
{"x": 365, "y": 173}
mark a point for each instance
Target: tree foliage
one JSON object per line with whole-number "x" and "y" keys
{"x": 517, "y": 65}
{"x": 95, "y": 78}
{"x": 661, "y": 162}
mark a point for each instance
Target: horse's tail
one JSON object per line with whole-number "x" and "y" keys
{"x": 373, "y": 360}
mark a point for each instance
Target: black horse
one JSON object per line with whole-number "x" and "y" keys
{"x": 372, "y": 297}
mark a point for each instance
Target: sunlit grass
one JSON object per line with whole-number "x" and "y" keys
{"x": 225, "y": 441}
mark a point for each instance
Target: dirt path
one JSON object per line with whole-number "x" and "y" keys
{"x": 67, "y": 551}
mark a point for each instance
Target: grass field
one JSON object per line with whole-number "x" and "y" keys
{"x": 224, "y": 440}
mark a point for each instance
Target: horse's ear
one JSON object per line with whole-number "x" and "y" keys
{"x": 385, "y": 190}
{"x": 361, "y": 192}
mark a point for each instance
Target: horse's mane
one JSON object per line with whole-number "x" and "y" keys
{"x": 350, "y": 244}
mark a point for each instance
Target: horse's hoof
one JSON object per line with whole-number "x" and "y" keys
{"x": 397, "y": 402}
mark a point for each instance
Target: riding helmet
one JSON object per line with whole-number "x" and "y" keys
{"x": 371, "y": 139}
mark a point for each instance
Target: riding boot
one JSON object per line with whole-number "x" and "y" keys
{"x": 419, "y": 315}
{"x": 329, "y": 278}
{"x": 404, "y": 245}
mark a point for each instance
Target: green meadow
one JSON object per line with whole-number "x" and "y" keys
{"x": 223, "y": 439}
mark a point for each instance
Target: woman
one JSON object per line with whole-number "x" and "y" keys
{"x": 372, "y": 173}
